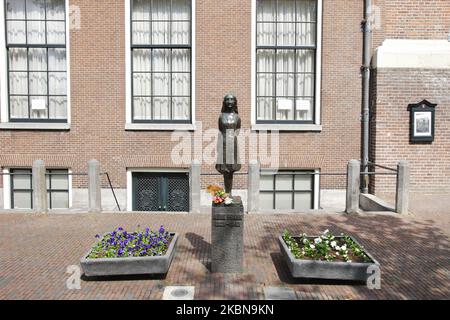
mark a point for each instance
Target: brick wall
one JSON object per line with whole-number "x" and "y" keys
{"x": 395, "y": 89}
{"x": 412, "y": 19}
{"x": 223, "y": 65}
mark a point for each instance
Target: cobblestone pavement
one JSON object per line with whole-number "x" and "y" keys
{"x": 37, "y": 249}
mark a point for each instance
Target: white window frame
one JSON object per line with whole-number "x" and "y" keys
{"x": 4, "y": 104}
{"x": 7, "y": 189}
{"x": 317, "y": 126}
{"x": 129, "y": 125}
{"x": 130, "y": 172}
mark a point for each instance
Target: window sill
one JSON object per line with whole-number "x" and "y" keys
{"x": 159, "y": 127}
{"x": 287, "y": 127}
{"x": 34, "y": 126}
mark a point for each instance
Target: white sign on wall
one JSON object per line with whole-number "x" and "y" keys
{"x": 38, "y": 104}
{"x": 284, "y": 104}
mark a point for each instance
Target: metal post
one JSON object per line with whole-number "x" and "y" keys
{"x": 94, "y": 186}
{"x": 402, "y": 192}
{"x": 353, "y": 186}
{"x": 195, "y": 187}
{"x": 253, "y": 186}
{"x": 40, "y": 203}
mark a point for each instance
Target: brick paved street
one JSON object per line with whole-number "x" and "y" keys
{"x": 36, "y": 250}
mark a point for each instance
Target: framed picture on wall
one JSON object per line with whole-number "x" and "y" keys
{"x": 422, "y": 121}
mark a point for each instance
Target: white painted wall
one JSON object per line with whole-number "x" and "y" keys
{"x": 415, "y": 54}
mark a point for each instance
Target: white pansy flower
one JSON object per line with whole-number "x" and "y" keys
{"x": 317, "y": 240}
{"x": 344, "y": 247}
{"x": 312, "y": 246}
{"x": 333, "y": 244}
{"x": 326, "y": 231}
{"x": 228, "y": 201}
{"x": 337, "y": 253}
{"x": 305, "y": 241}
{"x": 338, "y": 248}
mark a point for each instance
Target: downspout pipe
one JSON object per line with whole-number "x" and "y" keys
{"x": 365, "y": 69}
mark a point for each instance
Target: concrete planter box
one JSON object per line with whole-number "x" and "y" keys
{"x": 314, "y": 269}
{"x": 129, "y": 265}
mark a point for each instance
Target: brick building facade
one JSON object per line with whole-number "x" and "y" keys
{"x": 223, "y": 47}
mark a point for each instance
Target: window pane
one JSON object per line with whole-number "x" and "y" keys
{"x": 16, "y": 32}
{"x": 161, "y": 108}
{"x": 15, "y": 9}
{"x": 142, "y": 84}
{"x": 283, "y": 182}
{"x": 36, "y": 9}
{"x": 266, "y": 200}
{"x": 285, "y": 60}
{"x": 17, "y": 59}
{"x": 57, "y": 108}
{"x": 18, "y": 83}
{"x": 141, "y": 60}
{"x": 56, "y": 33}
{"x": 305, "y": 85}
{"x": 266, "y": 34}
{"x": 285, "y": 109}
{"x": 19, "y": 107}
{"x": 22, "y": 200}
{"x": 57, "y": 83}
{"x": 265, "y": 60}
{"x": 142, "y": 108}
{"x": 283, "y": 201}
{"x": 303, "y": 201}
{"x": 181, "y": 10}
{"x": 38, "y": 106}
{"x": 181, "y": 108}
{"x": 60, "y": 181}
{"x": 266, "y": 10}
{"x": 305, "y": 61}
{"x": 141, "y": 9}
{"x": 160, "y": 33}
{"x": 286, "y": 34}
{"x": 265, "y": 84}
{"x": 38, "y": 83}
{"x": 21, "y": 181}
{"x": 161, "y": 60}
{"x": 60, "y": 200}
{"x": 304, "y": 107}
{"x": 160, "y": 10}
{"x": 303, "y": 182}
{"x": 37, "y": 59}
{"x": 285, "y": 85}
{"x": 141, "y": 33}
{"x": 56, "y": 9}
{"x": 57, "y": 59}
{"x": 180, "y": 33}
{"x": 286, "y": 10}
{"x": 36, "y": 32}
{"x": 306, "y": 34}
{"x": 181, "y": 84}
{"x": 161, "y": 84}
{"x": 181, "y": 60}
{"x": 265, "y": 108}
{"x": 306, "y": 11}
{"x": 266, "y": 182}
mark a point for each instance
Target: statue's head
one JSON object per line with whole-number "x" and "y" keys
{"x": 229, "y": 104}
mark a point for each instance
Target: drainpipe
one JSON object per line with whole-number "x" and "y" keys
{"x": 365, "y": 69}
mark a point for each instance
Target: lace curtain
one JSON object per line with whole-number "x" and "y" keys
{"x": 161, "y": 77}
{"x": 37, "y": 89}
{"x": 285, "y": 79}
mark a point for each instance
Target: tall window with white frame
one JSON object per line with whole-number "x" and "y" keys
{"x": 161, "y": 61}
{"x": 286, "y": 49}
{"x": 36, "y": 50}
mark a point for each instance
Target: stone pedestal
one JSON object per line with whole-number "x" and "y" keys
{"x": 227, "y": 237}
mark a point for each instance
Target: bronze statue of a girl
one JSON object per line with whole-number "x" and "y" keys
{"x": 227, "y": 149}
